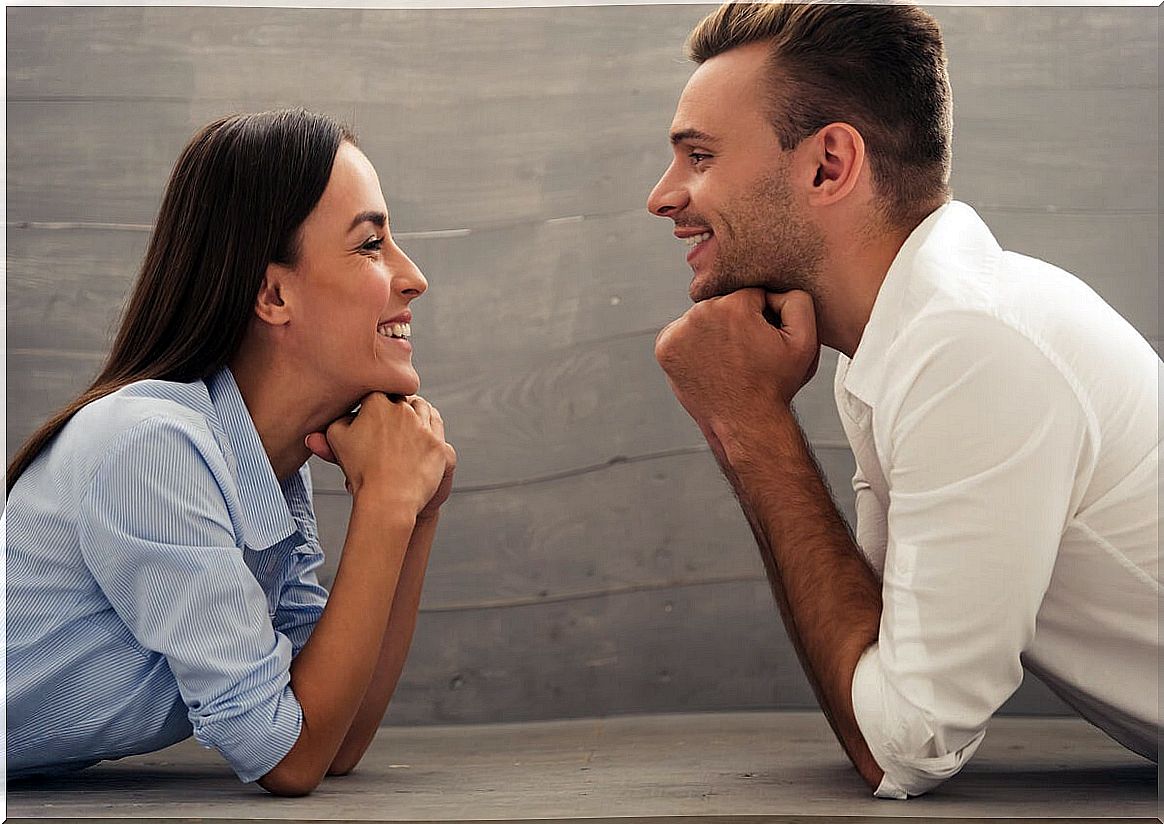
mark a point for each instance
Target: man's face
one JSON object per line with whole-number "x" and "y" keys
{"x": 729, "y": 189}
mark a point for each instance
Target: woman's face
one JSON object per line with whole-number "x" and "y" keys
{"x": 351, "y": 286}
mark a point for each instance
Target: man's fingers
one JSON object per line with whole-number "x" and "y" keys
{"x": 795, "y": 311}
{"x": 751, "y": 297}
{"x": 798, "y": 320}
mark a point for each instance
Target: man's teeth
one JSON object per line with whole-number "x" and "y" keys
{"x": 395, "y": 330}
{"x": 694, "y": 239}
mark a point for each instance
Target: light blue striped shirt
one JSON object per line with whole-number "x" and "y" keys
{"x": 159, "y": 581}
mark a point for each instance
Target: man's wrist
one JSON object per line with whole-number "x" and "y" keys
{"x": 773, "y": 427}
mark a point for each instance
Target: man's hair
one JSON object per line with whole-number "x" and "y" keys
{"x": 879, "y": 68}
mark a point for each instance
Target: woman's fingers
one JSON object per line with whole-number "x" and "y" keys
{"x": 320, "y": 448}
{"x": 423, "y": 409}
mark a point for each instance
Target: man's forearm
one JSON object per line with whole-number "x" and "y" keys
{"x": 393, "y": 651}
{"x": 828, "y": 596}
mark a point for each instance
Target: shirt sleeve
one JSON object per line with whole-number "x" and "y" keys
{"x": 301, "y": 601}
{"x": 871, "y": 517}
{"x": 156, "y": 532}
{"x": 986, "y": 438}
{"x": 302, "y": 598}
{"x": 870, "y": 527}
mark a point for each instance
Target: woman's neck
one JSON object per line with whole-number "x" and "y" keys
{"x": 284, "y": 407}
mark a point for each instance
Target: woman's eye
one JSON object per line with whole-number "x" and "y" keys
{"x": 373, "y": 244}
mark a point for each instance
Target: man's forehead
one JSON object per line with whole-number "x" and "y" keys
{"x": 729, "y": 84}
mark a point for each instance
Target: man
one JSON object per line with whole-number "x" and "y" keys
{"x": 1004, "y": 419}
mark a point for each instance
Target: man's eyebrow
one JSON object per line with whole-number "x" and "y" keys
{"x": 692, "y": 136}
{"x": 378, "y": 218}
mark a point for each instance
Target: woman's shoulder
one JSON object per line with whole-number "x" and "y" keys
{"x": 152, "y": 410}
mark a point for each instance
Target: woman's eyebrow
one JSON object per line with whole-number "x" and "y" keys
{"x": 378, "y": 218}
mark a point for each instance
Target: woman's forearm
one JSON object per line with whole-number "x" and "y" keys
{"x": 332, "y": 673}
{"x": 393, "y": 650}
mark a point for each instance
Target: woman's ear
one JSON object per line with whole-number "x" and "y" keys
{"x": 270, "y": 304}
{"x": 838, "y": 153}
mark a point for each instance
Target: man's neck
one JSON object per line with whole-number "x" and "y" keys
{"x": 855, "y": 271}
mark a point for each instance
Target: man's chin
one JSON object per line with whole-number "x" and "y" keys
{"x": 703, "y": 288}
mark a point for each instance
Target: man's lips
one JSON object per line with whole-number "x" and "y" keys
{"x": 700, "y": 246}
{"x": 696, "y": 237}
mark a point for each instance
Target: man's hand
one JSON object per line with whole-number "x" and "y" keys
{"x": 723, "y": 353}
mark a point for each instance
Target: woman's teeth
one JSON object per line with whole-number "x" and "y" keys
{"x": 694, "y": 239}
{"x": 395, "y": 330}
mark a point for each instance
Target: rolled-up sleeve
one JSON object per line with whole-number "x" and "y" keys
{"x": 302, "y": 599}
{"x": 157, "y": 535}
{"x": 985, "y": 440}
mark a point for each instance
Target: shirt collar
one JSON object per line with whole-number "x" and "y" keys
{"x": 266, "y": 512}
{"x": 952, "y": 237}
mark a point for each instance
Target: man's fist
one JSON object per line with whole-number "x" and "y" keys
{"x": 723, "y": 355}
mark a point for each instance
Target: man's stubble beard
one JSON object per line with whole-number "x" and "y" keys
{"x": 771, "y": 245}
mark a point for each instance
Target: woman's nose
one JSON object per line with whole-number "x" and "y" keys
{"x": 408, "y": 279}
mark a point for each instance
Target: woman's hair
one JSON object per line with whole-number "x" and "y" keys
{"x": 234, "y": 203}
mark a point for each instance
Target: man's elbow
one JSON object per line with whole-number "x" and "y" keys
{"x": 868, "y": 768}
{"x": 912, "y": 773}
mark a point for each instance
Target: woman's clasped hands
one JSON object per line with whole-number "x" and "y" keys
{"x": 393, "y": 452}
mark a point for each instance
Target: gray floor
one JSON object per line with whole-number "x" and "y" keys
{"x": 749, "y": 767}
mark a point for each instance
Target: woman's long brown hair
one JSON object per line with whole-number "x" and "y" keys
{"x": 234, "y": 203}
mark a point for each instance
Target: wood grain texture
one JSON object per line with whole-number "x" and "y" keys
{"x": 690, "y": 648}
{"x": 1022, "y": 149}
{"x": 612, "y": 530}
{"x": 591, "y": 559}
{"x": 585, "y": 135}
{"x": 694, "y": 768}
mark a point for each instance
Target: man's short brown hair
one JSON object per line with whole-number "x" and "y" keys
{"x": 879, "y": 68}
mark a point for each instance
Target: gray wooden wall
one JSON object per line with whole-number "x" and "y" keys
{"x": 591, "y": 560}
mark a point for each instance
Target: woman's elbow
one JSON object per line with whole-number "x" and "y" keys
{"x": 341, "y": 768}
{"x": 288, "y": 782}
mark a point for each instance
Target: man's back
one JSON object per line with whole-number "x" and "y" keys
{"x": 1005, "y": 425}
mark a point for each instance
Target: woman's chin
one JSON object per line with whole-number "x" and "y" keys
{"x": 402, "y": 383}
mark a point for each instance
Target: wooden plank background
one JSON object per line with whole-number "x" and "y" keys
{"x": 591, "y": 561}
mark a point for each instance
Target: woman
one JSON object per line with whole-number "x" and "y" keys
{"x": 161, "y": 542}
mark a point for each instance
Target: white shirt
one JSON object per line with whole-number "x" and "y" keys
{"x": 1005, "y": 425}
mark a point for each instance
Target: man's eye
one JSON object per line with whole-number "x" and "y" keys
{"x": 698, "y": 157}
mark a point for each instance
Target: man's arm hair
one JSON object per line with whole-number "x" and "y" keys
{"x": 827, "y": 594}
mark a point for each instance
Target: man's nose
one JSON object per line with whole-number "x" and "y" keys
{"x": 668, "y": 196}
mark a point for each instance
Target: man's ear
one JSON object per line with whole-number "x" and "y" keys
{"x": 837, "y": 155}
{"x": 271, "y": 305}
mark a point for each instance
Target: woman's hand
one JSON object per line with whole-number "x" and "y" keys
{"x": 437, "y": 425}
{"x": 391, "y": 449}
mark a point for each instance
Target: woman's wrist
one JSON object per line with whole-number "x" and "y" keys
{"x": 389, "y": 507}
